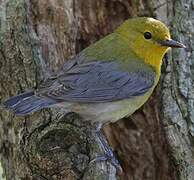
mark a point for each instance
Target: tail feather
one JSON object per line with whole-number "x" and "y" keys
{"x": 15, "y": 99}
{"x": 27, "y": 103}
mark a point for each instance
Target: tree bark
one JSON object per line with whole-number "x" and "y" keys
{"x": 36, "y": 37}
{"x": 177, "y": 112}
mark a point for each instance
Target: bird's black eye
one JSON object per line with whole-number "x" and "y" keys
{"x": 147, "y": 35}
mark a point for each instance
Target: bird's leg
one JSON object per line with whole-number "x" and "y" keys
{"x": 109, "y": 154}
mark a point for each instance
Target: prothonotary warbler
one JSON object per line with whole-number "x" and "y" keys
{"x": 107, "y": 81}
{"x": 110, "y": 79}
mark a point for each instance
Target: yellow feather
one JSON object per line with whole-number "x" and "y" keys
{"x": 149, "y": 50}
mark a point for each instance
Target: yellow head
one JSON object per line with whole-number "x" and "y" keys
{"x": 148, "y": 38}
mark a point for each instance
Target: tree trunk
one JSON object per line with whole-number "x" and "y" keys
{"x": 154, "y": 143}
{"x": 177, "y": 114}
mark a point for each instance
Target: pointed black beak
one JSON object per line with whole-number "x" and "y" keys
{"x": 171, "y": 43}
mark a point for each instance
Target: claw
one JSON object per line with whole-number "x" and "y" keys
{"x": 109, "y": 154}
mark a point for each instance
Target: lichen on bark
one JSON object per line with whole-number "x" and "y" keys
{"x": 177, "y": 92}
{"x": 37, "y": 36}
{"x": 47, "y": 144}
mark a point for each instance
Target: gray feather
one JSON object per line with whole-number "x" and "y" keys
{"x": 98, "y": 81}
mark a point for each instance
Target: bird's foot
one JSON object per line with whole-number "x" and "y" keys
{"x": 110, "y": 157}
{"x": 109, "y": 154}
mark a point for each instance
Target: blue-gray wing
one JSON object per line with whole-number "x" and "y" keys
{"x": 97, "y": 81}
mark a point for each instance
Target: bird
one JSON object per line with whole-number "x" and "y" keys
{"x": 108, "y": 80}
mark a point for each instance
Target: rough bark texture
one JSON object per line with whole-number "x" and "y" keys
{"x": 178, "y": 90}
{"x": 154, "y": 143}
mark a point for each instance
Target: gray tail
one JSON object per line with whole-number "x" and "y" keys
{"x": 27, "y": 103}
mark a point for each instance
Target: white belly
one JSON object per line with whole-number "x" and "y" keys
{"x": 106, "y": 112}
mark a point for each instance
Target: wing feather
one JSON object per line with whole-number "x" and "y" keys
{"x": 98, "y": 81}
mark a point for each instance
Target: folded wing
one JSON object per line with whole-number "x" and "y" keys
{"x": 97, "y": 81}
